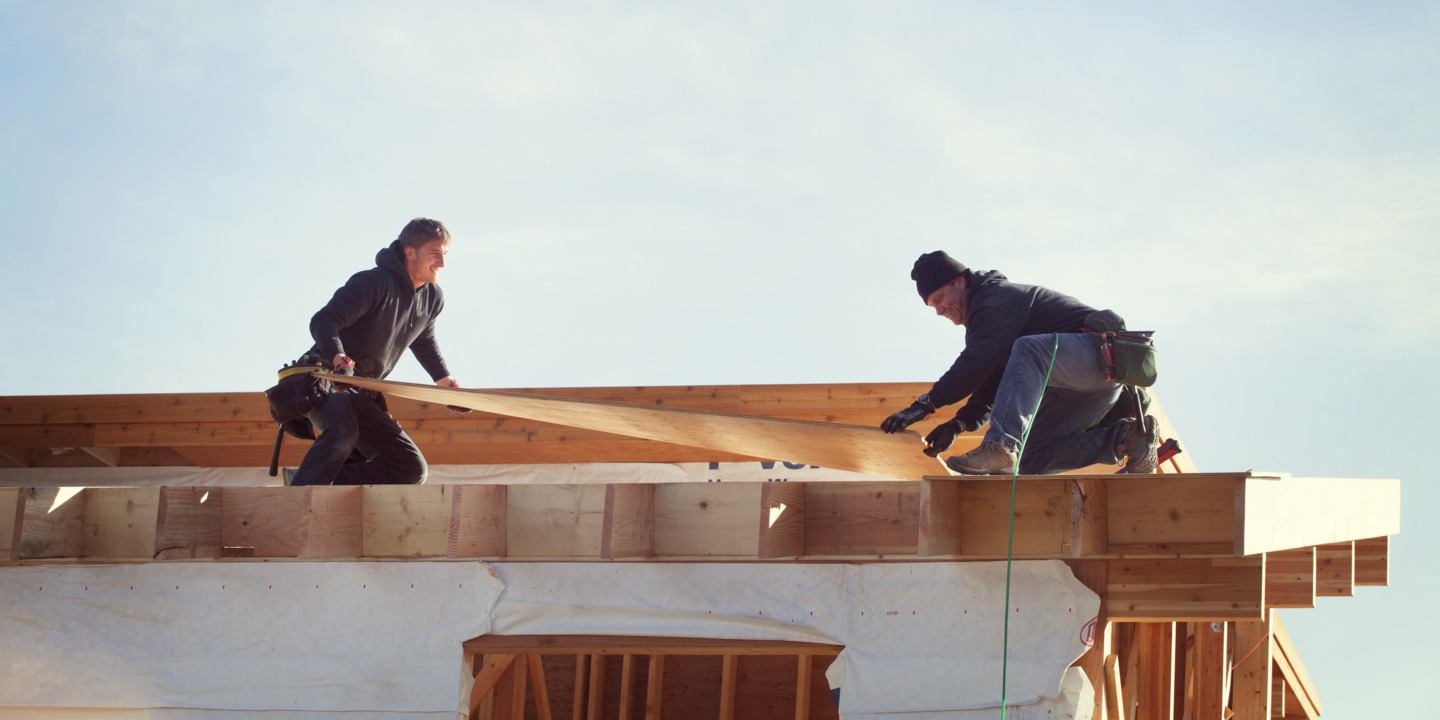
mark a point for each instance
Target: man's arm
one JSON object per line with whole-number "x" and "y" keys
{"x": 988, "y": 338}
{"x": 350, "y": 302}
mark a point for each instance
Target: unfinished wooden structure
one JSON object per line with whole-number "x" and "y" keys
{"x": 1190, "y": 566}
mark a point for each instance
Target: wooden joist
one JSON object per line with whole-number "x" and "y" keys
{"x": 1290, "y": 578}
{"x": 937, "y": 519}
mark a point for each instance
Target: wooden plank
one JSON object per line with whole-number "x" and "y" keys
{"x": 537, "y": 681}
{"x": 406, "y": 520}
{"x": 554, "y": 520}
{"x": 1155, "y": 681}
{"x": 172, "y": 407}
{"x": 939, "y": 523}
{"x": 1251, "y": 684}
{"x": 628, "y": 524}
{"x": 1115, "y": 709}
{"x": 47, "y": 533}
{"x": 1278, "y": 692}
{"x": 1179, "y": 590}
{"x": 804, "y": 667}
{"x": 332, "y": 522}
{"x": 598, "y": 645}
{"x": 477, "y": 522}
{"x": 1285, "y": 513}
{"x": 627, "y": 687}
{"x": 1335, "y": 570}
{"x": 1041, "y": 517}
{"x": 729, "y": 669}
{"x": 1172, "y": 509}
{"x": 120, "y": 522}
{"x": 11, "y": 520}
{"x": 1094, "y": 574}
{"x": 595, "y": 707}
{"x": 267, "y": 520}
{"x": 782, "y": 520}
{"x": 842, "y": 447}
{"x": 187, "y": 523}
{"x": 491, "y": 669}
{"x": 655, "y": 687}
{"x": 862, "y": 518}
{"x": 1290, "y": 578}
{"x": 185, "y": 434}
{"x": 708, "y": 519}
{"x": 1089, "y": 517}
{"x": 582, "y": 671}
{"x": 1287, "y": 661}
{"x": 510, "y": 692}
{"x": 1212, "y": 660}
{"x": 1372, "y": 561}
{"x": 47, "y": 436}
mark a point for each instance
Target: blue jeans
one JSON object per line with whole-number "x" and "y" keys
{"x": 350, "y": 420}
{"x": 1076, "y": 397}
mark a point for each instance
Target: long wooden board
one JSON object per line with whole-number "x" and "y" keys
{"x": 840, "y": 447}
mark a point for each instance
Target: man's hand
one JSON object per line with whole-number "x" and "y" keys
{"x": 941, "y": 438}
{"x": 448, "y": 381}
{"x": 343, "y": 365}
{"x": 905, "y": 418}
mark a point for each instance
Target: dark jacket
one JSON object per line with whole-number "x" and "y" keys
{"x": 376, "y": 315}
{"x": 999, "y": 312}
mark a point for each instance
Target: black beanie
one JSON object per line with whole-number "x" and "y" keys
{"x": 933, "y": 271}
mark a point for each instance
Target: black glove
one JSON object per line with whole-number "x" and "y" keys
{"x": 905, "y": 418}
{"x": 940, "y": 439}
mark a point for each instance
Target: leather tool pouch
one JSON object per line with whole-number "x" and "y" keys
{"x": 1131, "y": 357}
{"x": 295, "y": 395}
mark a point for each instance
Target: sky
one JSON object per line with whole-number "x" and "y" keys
{"x": 679, "y": 193}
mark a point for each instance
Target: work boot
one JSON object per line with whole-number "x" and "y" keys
{"x": 1140, "y": 446}
{"x": 988, "y": 458}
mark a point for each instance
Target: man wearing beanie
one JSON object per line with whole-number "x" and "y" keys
{"x": 1010, "y": 337}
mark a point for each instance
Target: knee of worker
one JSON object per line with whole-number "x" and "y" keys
{"x": 1033, "y": 347}
{"x": 411, "y": 470}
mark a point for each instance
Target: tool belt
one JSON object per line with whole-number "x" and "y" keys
{"x": 1131, "y": 357}
{"x": 296, "y": 394}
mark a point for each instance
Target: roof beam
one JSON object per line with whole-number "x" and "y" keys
{"x": 1372, "y": 561}
{"x": 1279, "y": 513}
{"x": 1164, "y": 590}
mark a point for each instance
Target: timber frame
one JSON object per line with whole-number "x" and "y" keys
{"x": 1190, "y": 566}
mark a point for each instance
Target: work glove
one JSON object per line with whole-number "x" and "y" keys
{"x": 940, "y": 439}
{"x": 905, "y": 418}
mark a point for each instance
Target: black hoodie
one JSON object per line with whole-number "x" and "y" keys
{"x": 997, "y": 314}
{"x": 377, "y": 314}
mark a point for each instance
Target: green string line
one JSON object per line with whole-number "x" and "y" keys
{"x": 1010, "y": 544}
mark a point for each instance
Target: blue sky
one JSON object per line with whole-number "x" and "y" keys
{"x": 684, "y": 193}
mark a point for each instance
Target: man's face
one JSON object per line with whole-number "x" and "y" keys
{"x": 949, "y": 302}
{"x": 424, "y": 264}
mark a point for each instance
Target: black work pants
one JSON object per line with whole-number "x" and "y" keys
{"x": 350, "y": 420}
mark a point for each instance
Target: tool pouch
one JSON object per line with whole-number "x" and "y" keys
{"x": 1131, "y": 357}
{"x": 296, "y": 394}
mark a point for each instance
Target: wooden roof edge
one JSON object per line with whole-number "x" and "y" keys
{"x": 1291, "y": 512}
